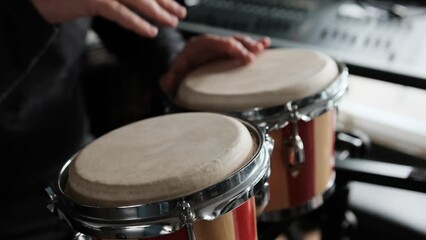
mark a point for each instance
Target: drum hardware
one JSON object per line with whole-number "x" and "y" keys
{"x": 52, "y": 207}
{"x": 327, "y": 99}
{"x": 352, "y": 148}
{"x": 173, "y": 214}
{"x": 293, "y": 145}
{"x": 80, "y": 236}
{"x": 263, "y": 195}
{"x": 272, "y": 118}
{"x": 303, "y": 129}
{"x": 262, "y": 198}
{"x": 187, "y": 217}
{"x": 305, "y": 110}
{"x": 381, "y": 173}
{"x": 299, "y": 210}
{"x": 165, "y": 217}
{"x": 352, "y": 144}
{"x": 276, "y": 117}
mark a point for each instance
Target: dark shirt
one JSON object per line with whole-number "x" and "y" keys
{"x": 43, "y": 120}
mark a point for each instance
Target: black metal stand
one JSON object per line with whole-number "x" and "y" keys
{"x": 334, "y": 218}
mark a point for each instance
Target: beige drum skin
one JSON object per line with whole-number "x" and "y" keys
{"x": 276, "y": 77}
{"x": 190, "y": 175}
{"x": 288, "y": 92}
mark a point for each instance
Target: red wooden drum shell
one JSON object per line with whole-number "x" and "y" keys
{"x": 118, "y": 186}
{"x": 317, "y": 172}
{"x": 237, "y": 224}
{"x": 292, "y": 94}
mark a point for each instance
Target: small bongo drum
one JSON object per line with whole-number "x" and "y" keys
{"x": 182, "y": 176}
{"x": 290, "y": 93}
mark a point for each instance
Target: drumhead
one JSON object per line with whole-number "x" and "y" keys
{"x": 277, "y": 76}
{"x": 160, "y": 158}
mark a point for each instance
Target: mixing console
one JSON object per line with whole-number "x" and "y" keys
{"x": 379, "y": 39}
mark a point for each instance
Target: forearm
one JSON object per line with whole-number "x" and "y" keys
{"x": 24, "y": 36}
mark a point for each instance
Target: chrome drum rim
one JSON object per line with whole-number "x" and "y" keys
{"x": 165, "y": 217}
{"x": 271, "y": 118}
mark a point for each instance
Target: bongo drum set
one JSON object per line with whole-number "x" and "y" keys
{"x": 153, "y": 180}
{"x": 291, "y": 94}
{"x": 237, "y": 145}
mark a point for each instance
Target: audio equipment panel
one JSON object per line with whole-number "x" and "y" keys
{"x": 384, "y": 38}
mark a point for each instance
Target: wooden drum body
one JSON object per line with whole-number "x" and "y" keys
{"x": 305, "y": 185}
{"x": 167, "y": 177}
{"x": 291, "y": 94}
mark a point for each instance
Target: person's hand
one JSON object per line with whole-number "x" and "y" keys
{"x": 124, "y": 12}
{"x": 206, "y": 48}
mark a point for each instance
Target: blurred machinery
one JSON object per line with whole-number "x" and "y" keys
{"x": 377, "y": 39}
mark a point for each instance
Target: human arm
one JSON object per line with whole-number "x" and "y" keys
{"x": 27, "y": 28}
{"x": 134, "y": 15}
{"x": 140, "y": 55}
{"x": 206, "y": 48}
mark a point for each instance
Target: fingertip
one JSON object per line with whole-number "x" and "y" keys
{"x": 259, "y": 46}
{"x": 182, "y": 12}
{"x": 153, "y": 31}
{"x": 249, "y": 58}
{"x": 143, "y": 28}
{"x": 175, "y": 8}
{"x": 173, "y": 21}
{"x": 266, "y": 41}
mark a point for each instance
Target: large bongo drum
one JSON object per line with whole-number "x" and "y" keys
{"x": 182, "y": 176}
{"x": 290, "y": 93}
